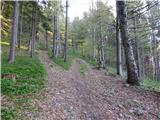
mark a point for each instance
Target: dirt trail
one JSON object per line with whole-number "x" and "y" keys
{"x": 93, "y": 96}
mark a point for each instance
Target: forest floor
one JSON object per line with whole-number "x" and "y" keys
{"x": 84, "y": 93}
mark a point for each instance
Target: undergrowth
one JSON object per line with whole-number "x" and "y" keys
{"x": 151, "y": 85}
{"x": 30, "y": 79}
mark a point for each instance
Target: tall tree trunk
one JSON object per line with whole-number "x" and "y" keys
{"x": 34, "y": 13}
{"x": 135, "y": 46}
{"x": 118, "y": 46}
{"x": 20, "y": 24}
{"x": 46, "y": 39}
{"x": 158, "y": 56}
{"x": 132, "y": 72}
{"x": 30, "y": 37}
{"x": 94, "y": 46}
{"x": 66, "y": 23}
{"x": 58, "y": 37}
{"x": 55, "y": 32}
{"x": 14, "y": 32}
{"x": 73, "y": 45}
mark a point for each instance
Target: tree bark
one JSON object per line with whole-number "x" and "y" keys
{"x": 94, "y": 46}
{"x": 132, "y": 72}
{"x": 55, "y": 32}
{"x": 66, "y": 22}
{"x": 34, "y": 13}
{"x": 14, "y": 32}
{"x": 135, "y": 46}
{"x": 20, "y": 25}
{"x": 46, "y": 37}
{"x": 118, "y": 46}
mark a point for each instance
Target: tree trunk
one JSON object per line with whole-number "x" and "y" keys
{"x": 55, "y": 32}
{"x": 94, "y": 46}
{"x": 46, "y": 37}
{"x": 34, "y": 12}
{"x": 73, "y": 45}
{"x": 135, "y": 46}
{"x": 58, "y": 37}
{"x": 20, "y": 25}
{"x": 66, "y": 22}
{"x": 118, "y": 46}
{"x": 14, "y": 32}
{"x": 132, "y": 73}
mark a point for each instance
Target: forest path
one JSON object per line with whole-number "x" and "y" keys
{"x": 92, "y": 96}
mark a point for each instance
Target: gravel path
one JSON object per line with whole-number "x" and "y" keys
{"x": 92, "y": 96}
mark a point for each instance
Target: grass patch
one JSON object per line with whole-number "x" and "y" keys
{"x": 30, "y": 79}
{"x": 151, "y": 85}
{"x": 8, "y": 114}
{"x": 24, "y": 67}
{"x": 70, "y": 56}
{"x": 21, "y": 87}
{"x": 66, "y": 65}
{"x": 111, "y": 71}
{"x": 60, "y": 61}
{"x": 92, "y": 62}
{"x": 29, "y": 72}
{"x": 83, "y": 67}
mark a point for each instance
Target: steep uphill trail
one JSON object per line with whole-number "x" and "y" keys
{"x": 92, "y": 96}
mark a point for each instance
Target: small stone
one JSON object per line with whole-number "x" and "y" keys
{"x": 120, "y": 115}
{"x": 131, "y": 111}
{"x": 62, "y": 91}
{"x": 128, "y": 116}
{"x": 126, "y": 85}
{"x": 120, "y": 106}
{"x": 139, "y": 112}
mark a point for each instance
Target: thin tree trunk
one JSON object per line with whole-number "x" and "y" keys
{"x": 58, "y": 37}
{"x": 20, "y": 24}
{"x": 55, "y": 32}
{"x": 33, "y": 29}
{"x": 14, "y": 32}
{"x": 94, "y": 47}
{"x": 132, "y": 73}
{"x": 73, "y": 45}
{"x": 46, "y": 37}
{"x": 66, "y": 22}
{"x": 135, "y": 46}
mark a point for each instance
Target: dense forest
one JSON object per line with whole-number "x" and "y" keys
{"x": 38, "y": 37}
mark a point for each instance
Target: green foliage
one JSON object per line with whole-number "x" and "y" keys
{"x": 152, "y": 85}
{"x": 8, "y": 114}
{"x": 6, "y": 25}
{"x": 29, "y": 72}
{"x": 83, "y": 67}
{"x": 49, "y": 53}
{"x": 24, "y": 67}
{"x": 91, "y": 61}
{"x": 21, "y": 87}
{"x": 111, "y": 71}
{"x": 30, "y": 79}
{"x": 66, "y": 65}
{"x": 40, "y": 45}
{"x": 60, "y": 61}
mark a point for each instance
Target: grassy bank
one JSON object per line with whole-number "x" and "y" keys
{"x": 30, "y": 79}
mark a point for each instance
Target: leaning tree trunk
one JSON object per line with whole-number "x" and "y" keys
{"x": 132, "y": 73}
{"x": 14, "y": 32}
{"x": 33, "y": 29}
